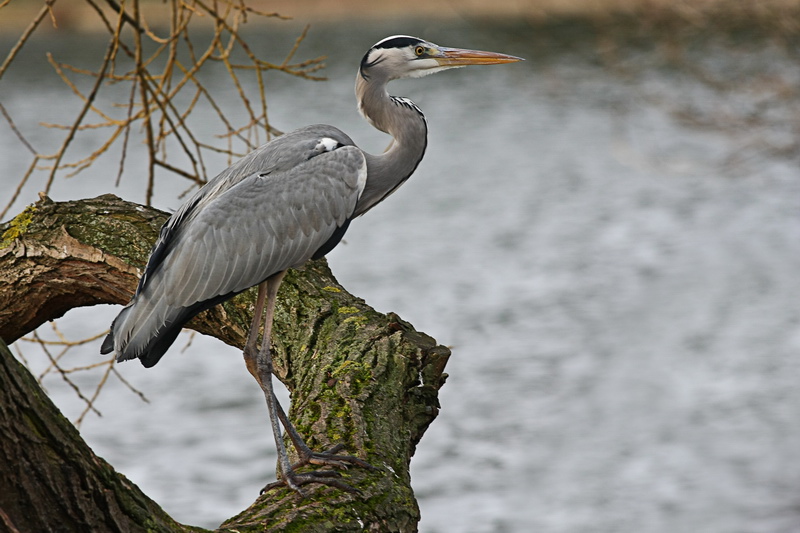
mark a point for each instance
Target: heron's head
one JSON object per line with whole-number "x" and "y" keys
{"x": 401, "y": 56}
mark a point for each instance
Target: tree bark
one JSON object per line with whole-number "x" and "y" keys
{"x": 356, "y": 376}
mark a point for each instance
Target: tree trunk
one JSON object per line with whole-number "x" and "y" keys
{"x": 356, "y": 376}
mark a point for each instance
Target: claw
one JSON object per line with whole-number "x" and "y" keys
{"x": 330, "y": 458}
{"x": 295, "y": 480}
{"x": 322, "y": 477}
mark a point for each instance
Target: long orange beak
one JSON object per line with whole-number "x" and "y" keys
{"x": 457, "y": 57}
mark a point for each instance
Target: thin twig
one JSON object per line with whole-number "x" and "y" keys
{"x": 19, "y": 135}
{"x": 65, "y": 377}
{"x": 126, "y": 137}
{"x": 33, "y": 166}
{"x": 125, "y": 17}
{"x": 128, "y": 384}
{"x": 26, "y": 34}
{"x": 87, "y": 105}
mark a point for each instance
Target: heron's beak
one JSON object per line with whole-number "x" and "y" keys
{"x": 457, "y": 57}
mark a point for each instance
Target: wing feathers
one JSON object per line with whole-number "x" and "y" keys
{"x": 274, "y": 209}
{"x": 259, "y": 227}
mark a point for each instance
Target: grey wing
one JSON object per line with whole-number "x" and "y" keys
{"x": 271, "y": 210}
{"x": 264, "y": 224}
{"x": 278, "y": 156}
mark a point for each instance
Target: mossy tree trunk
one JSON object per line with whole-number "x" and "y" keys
{"x": 356, "y": 376}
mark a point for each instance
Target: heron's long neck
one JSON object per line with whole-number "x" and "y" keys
{"x": 401, "y": 119}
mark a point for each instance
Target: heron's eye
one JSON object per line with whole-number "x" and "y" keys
{"x": 419, "y": 50}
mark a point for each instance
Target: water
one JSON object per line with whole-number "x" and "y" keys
{"x": 619, "y": 288}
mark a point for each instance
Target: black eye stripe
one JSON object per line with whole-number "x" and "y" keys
{"x": 399, "y": 42}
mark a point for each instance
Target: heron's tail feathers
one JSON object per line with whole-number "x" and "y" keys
{"x": 144, "y": 330}
{"x": 108, "y": 342}
{"x": 147, "y": 327}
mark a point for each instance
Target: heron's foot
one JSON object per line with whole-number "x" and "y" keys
{"x": 324, "y": 477}
{"x": 294, "y": 480}
{"x": 330, "y": 458}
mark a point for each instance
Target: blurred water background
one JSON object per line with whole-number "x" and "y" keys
{"x": 606, "y": 235}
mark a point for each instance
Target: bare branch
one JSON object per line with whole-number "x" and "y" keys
{"x": 33, "y": 166}
{"x": 46, "y": 9}
{"x": 19, "y": 135}
{"x": 89, "y": 99}
{"x": 125, "y": 17}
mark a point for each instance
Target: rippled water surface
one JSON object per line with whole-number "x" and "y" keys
{"x": 619, "y": 287}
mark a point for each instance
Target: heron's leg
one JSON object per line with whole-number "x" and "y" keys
{"x": 268, "y": 291}
{"x": 261, "y": 368}
{"x": 250, "y": 347}
{"x": 307, "y": 456}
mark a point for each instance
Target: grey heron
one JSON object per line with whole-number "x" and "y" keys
{"x": 288, "y": 201}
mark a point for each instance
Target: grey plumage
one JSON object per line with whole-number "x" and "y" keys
{"x": 286, "y": 202}
{"x": 229, "y": 236}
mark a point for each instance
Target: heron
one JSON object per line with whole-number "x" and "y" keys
{"x": 287, "y": 202}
